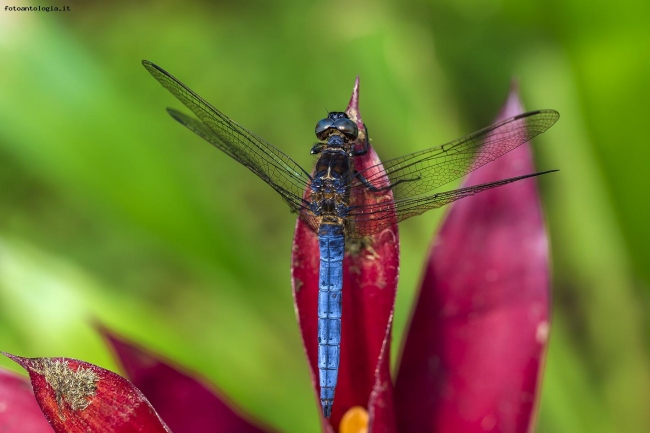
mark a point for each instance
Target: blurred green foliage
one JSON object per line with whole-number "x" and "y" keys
{"x": 111, "y": 211}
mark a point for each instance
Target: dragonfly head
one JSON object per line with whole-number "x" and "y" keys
{"x": 338, "y": 124}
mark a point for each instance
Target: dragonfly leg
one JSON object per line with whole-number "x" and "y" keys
{"x": 317, "y": 148}
{"x": 373, "y": 188}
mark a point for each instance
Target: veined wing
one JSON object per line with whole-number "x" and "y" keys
{"x": 369, "y": 219}
{"x": 419, "y": 173}
{"x": 414, "y": 176}
{"x": 274, "y": 167}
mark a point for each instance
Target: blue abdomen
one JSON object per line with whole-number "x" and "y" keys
{"x": 331, "y": 241}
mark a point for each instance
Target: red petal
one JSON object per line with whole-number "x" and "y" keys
{"x": 186, "y": 402}
{"x": 19, "y": 412}
{"x": 369, "y": 287}
{"x": 76, "y": 396}
{"x": 474, "y": 354}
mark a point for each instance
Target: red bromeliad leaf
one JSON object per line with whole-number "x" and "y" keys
{"x": 369, "y": 288}
{"x": 78, "y": 397}
{"x": 185, "y": 402}
{"x": 19, "y": 412}
{"x": 474, "y": 353}
{"x": 373, "y": 280}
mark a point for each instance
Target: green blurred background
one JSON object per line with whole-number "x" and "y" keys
{"x": 111, "y": 211}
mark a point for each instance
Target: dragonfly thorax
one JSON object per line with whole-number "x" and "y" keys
{"x": 330, "y": 185}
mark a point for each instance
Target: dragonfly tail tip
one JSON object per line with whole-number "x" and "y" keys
{"x": 327, "y": 408}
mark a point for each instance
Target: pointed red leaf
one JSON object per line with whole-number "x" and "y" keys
{"x": 78, "y": 397}
{"x": 186, "y": 402}
{"x": 19, "y": 412}
{"x": 369, "y": 287}
{"x": 474, "y": 353}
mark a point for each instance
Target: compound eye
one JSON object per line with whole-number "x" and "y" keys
{"x": 348, "y": 128}
{"x": 322, "y": 126}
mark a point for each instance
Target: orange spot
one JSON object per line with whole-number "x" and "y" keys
{"x": 355, "y": 420}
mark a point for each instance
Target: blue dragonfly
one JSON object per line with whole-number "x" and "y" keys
{"x": 330, "y": 200}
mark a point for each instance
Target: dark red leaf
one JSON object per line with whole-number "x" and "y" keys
{"x": 186, "y": 402}
{"x": 19, "y": 412}
{"x": 474, "y": 353}
{"x": 369, "y": 287}
{"x": 78, "y": 397}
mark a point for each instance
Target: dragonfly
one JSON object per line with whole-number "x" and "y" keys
{"x": 330, "y": 199}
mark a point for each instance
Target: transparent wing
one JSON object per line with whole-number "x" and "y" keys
{"x": 274, "y": 167}
{"x": 411, "y": 177}
{"x": 421, "y": 172}
{"x": 369, "y": 219}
